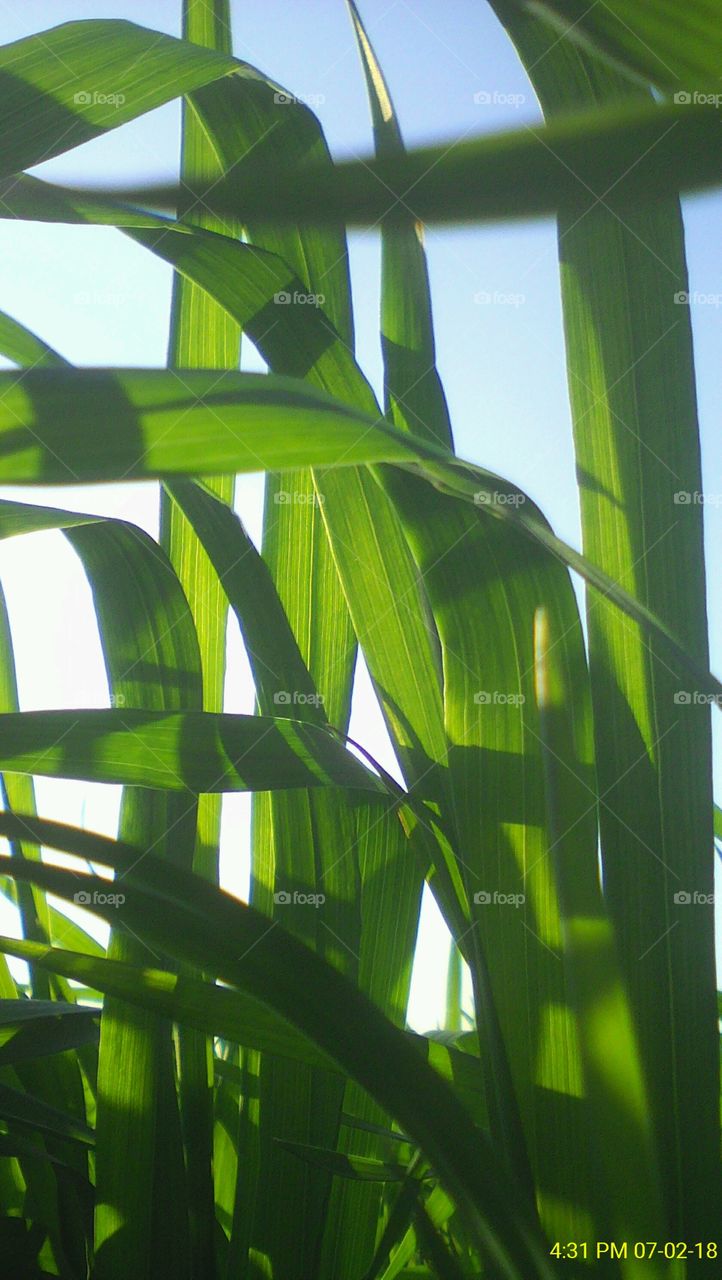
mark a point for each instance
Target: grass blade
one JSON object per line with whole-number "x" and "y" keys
{"x": 204, "y": 336}
{"x": 54, "y": 86}
{"x": 194, "y": 751}
{"x": 573, "y": 164}
{"x": 219, "y": 1011}
{"x": 631, "y": 375}
{"x": 631, "y": 1202}
{"x": 674, "y": 48}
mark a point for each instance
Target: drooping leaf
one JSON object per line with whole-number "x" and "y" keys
{"x": 195, "y": 751}
{"x": 231, "y": 1014}
{"x": 64, "y": 86}
{"x": 158, "y": 423}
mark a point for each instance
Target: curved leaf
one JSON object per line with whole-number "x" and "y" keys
{"x": 196, "y": 751}
{"x": 157, "y": 422}
{"x": 64, "y": 86}
{"x": 221, "y": 1011}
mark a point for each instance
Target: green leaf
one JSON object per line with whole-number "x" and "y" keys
{"x": 390, "y": 898}
{"x": 433, "y": 1248}
{"x": 202, "y": 336}
{"x": 19, "y": 793}
{"x": 64, "y": 86}
{"x": 527, "y": 1035}
{"x": 619, "y": 156}
{"x": 23, "y": 347}
{"x": 35, "y": 1028}
{"x": 55, "y": 1081}
{"x": 354, "y": 1168}
{"x": 19, "y": 1108}
{"x": 632, "y": 391}
{"x": 192, "y": 750}
{"x": 675, "y": 47}
{"x": 621, "y": 1127}
{"x": 283, "y": 425}
{"x": 280, "y": 675}
{"x": 415, "y": 398}
{"x": 157, "y": 423}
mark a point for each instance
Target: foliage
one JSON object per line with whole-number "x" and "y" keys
{"x": 252, "y": 1104}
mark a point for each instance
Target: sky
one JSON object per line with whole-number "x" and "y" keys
{"x": 102, "y": 300}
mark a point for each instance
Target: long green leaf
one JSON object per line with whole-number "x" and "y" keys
{"x": 622, "y": 1127}
{"x": 64, "y": 86}
{"x": 196, "y": 751}
{"x": 414, "y": 395}
{"x": 676, "y": 47}
{"x": 202, "y": 336}
{"x": 158, "y": 423}
{"x": 631, "y": 378}
{"x": 619, "y": 157}
{"x": 151, "y": 656}
{"x": 532, "y": 1069}
{"x": 19, "y": 1108}
{"x": 231, "y": 1014}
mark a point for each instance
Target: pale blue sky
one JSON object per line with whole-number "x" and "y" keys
{"x": 102, "y": 300}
